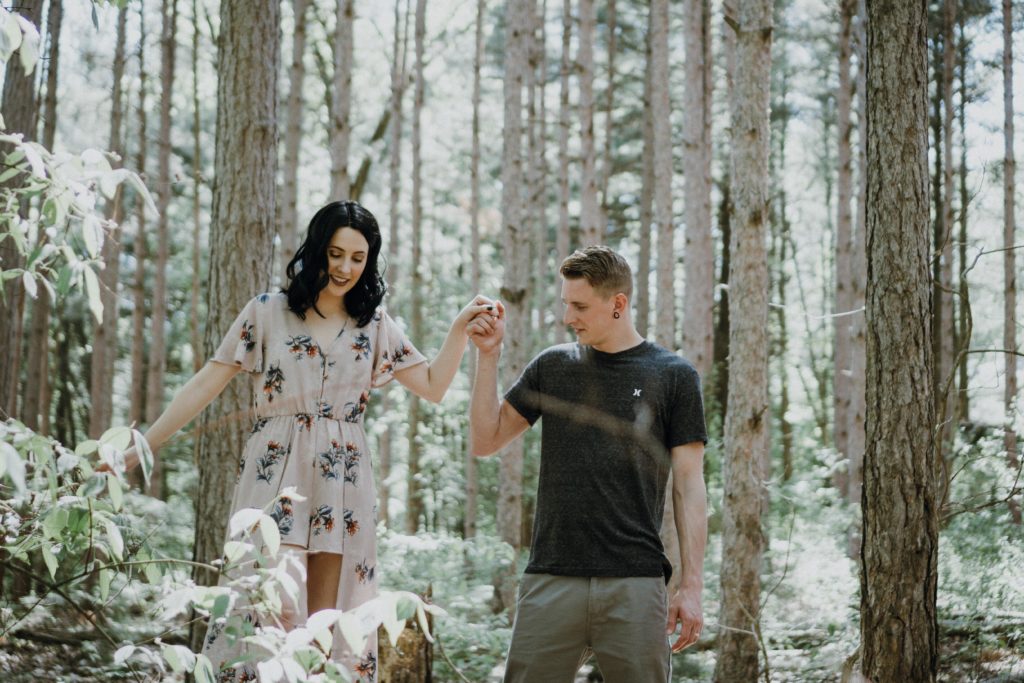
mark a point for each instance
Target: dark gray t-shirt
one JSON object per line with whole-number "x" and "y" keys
{"x": 610, "y": 420}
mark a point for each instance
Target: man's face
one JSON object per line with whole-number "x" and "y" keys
{"x": 586, "y": 312}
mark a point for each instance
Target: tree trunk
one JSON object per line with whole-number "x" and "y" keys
{"x": 21, "y": 113}
{"x": 289, "y": 223}
{"x": 591, "y": 229}
{"x": 241, "y": 251}
{"x": 36, "y": 394}
{"x": 1009, "y": 255}
{"x": 564, "y": 124}
{"x": 842, "y": 342}
{"x": 699, "y": 255}
{"x": 158, "y": 334}
{"x": 137, "y": 409}
{"x": 414, "y": 489}
{"x": 661, "y": 113}
{"x": 607, "y": 165}
{"x": 858, "y": 281}
{"x": 341, "y": 126}
{"x": 514, "y": 290}
{"x": 472, "y": 475}
{"x": 946, "y": 387}
{"x": 105, "y": 337}
{"x": 745, "y": 439}
{"x": 398, "y": 60}
{"x": 963, "y": 301}
{"x": 900, "y": 531}
{"x": 194, "y": 335}
{"x": 643, "y": 270}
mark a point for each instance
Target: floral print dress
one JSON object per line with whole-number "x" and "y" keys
{"x": 308, "y": 433}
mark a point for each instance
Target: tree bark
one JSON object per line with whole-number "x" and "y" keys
{"x": 661, "y": 113}
{"x": 963, "y": 300}
{"x": 643, "y": 270}
{"x": 197, "y": 179}
{"x": 900, "y": 526}
{"x": 158, "y": 334}
{"x": 36, "y": 402}
{"x": 591, "y": 230}
{"x": 472, "y": 475}
{"x": 843, "y": 303}
{"x": 699, "y": 255}
{"x": 1009, "y": 255}
{"x": 414, "y": 489}
{"x": 946, "y": 386}
{"x": 607, "y": 164}
{"x": 858, "y": 281}
{"x": 21, "y": 114}
{"x": 564, "y": 125}
{"x": 140, "y": 249}
{"x": 289, "y": 223}
{"x": 241, "y": 252}
{"x": 745, "y": 438}
{"x": 105, "y": 338}
{"x": 514, "y": 290}
{"x": 341, "y": 125}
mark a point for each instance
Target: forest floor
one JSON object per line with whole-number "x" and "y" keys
{"x": 29, "y": 660}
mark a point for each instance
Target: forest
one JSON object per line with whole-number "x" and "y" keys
{"x": 818, "y": 201}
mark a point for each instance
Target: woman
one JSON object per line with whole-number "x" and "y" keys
{"x": 314, "y": 351}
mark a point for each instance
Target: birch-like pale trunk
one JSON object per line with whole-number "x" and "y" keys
{"x": 699, "y": 253}
{"x": 661, "y": 114}
{"x": 1009, "y": 255}
{"x": 743, "y": 539}
{"x": 414, "y": 489}
{"x": 288, "y": 226}
{"x": 899, "y": 553}
{"x": 241, "y": 244}
{"x": 564, "y": 125}
{"x": 591, "y": 230}
{"x": 341, "y": 96}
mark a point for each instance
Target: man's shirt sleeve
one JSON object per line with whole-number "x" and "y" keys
{"x": 687, "y": 410}
{"x": 525, "y": 395}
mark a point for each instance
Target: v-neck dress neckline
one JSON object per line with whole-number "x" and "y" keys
{"x": 325, "y": 350}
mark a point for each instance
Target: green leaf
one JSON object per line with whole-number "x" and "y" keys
{"x": 9, "y": 173}
{"x": 203, "y": 672}
{"x": 92, "y": 288}
{"x": 28, "y": 281}
{"x": 56, "y": 522}
{"x": 93, "y": 486}
{"x": 64, "y": 280}
{"x": 145, "y": 454}
{"x": 13, "y": 465}
{"x": 10, "y": 40}
{"x": 118, "y": 437}
{"x": 220, "y": 607}
{"x": 92, "y": 234}
{"x": 115, "y": 540}
{"x": 105, "y": 576}
{"x": 114, "y": 487}
{"x": 123, "y": 653}
{"x": 152, "y": 572}
{"x": 50, "y": 560}
{"x": 271, "y": 534}
{"x": 87, "y": 447}
{"x": 179, "y": 657}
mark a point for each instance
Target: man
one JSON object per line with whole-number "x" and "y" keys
{"x": 619, "y": 413}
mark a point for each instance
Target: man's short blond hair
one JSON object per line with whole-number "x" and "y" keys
{"x": 603, "y": 269}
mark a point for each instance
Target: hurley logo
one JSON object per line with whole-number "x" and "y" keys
{"x": 636, "y": 393}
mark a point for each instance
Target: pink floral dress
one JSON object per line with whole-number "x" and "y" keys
{"x": 308, "y": 433}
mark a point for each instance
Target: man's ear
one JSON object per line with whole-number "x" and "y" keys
{"x": 621, "y": 303}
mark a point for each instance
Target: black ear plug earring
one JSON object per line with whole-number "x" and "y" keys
{"x": 616, "y": 315}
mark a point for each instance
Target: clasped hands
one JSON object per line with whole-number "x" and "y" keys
{"x": 487, "y": 329}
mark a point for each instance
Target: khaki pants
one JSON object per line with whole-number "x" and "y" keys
{"x": 561, "y": 619}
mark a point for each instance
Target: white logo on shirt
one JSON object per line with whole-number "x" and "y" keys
{"x": 636, "y": 393}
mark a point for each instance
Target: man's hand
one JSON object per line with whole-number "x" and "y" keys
{"x": 488, "y": 330}
{"x": 684, "y": 608}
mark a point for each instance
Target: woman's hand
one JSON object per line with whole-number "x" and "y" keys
{"x": 131, "y": 461}
{"x": 481, "y": 310}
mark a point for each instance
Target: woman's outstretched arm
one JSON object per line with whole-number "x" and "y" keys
{"x": 190, "y": 400}
{"x": 431, "y": 380}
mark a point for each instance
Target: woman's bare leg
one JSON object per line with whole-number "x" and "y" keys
{"x": 294, "y": 612}
{"x": 322, "y": 578}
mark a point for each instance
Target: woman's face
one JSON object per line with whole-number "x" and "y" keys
{"x": 346, "y": 260}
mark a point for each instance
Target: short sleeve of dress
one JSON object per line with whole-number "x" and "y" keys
{"x": 243, "y": 343}
{"x": 392, "y": 351}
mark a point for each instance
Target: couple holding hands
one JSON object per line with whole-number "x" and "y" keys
{"x": 620, "y": 414}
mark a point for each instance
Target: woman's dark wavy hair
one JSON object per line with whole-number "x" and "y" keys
{"x": 307, "y": 271}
